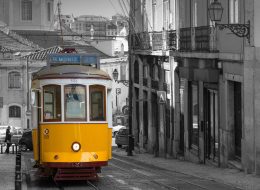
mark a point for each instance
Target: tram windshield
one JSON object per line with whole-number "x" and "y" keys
{"x": 75, "y": 102}
{"x": 52, "y": 103}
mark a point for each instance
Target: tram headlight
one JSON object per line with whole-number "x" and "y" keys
{"x": 75, "y": 146}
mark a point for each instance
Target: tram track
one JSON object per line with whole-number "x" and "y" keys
{"x": 92, "y": 185}
{"x": 161, "y": 174}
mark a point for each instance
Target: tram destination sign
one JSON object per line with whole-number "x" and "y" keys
{"x": 77, "y": 59}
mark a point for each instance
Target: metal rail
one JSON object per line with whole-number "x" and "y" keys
{"x": 179, "y": 179}
{"x": 92, "y": 185}
{"x": 151, "y": 180}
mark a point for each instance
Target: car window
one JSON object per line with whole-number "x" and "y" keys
{"x": 123, "y": 132}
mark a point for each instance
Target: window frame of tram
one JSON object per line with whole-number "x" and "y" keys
{"x": 94, "y": 90}
{"x": 193, "y": 115}
{"x": 88, "y": 94}
{"x": 74, "y": 97}
{"x": 53, "y": 103}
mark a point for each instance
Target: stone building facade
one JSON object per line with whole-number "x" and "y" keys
{"x": 152, "y": 39}
{"x": 214, "y": 81}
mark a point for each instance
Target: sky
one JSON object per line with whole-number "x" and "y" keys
{"x": 105, "y": 8}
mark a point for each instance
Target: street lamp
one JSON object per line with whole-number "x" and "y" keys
{"x": 115, "y": 77}
{"x": 118, "y": 91}
{"x": 215, "y": 11}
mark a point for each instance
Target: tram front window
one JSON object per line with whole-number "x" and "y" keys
{"x": 97, "y": 103}
{"x": 75, "y": 102}
{"x": 52, "y": 103}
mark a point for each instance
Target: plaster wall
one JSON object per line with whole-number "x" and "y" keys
{"x": 39, "y": 16}
{"x": 256, "y": 23}
{"x": 105, "y": 46}
{"x": 12, "y": 97}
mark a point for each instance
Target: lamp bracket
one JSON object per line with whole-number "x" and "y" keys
{"x": 124, "y": 82}
{"x": 240, "y": 30}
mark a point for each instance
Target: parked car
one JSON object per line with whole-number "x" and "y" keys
{"x": 115, "y": 129}
{"x": 26, "y": 141}
{"x": 122, "y": 137}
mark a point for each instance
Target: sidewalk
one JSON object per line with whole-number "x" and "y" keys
{"x": 7, "y": 171}
{"x": 228, "y": 176}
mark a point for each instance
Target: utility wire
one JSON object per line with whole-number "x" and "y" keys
{"x": 122, "y": 8}
{"x": 113, "y": 5}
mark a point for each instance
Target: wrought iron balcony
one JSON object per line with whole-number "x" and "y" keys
{"x": 141, "y": 41}
{"x": 185, "y": 39}
{"x": 200, "y": 39}
{"x": 155, "y": 41}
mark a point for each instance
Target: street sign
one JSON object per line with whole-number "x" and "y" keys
{"x": 161, "y": 97}
{"x": 72, "y": 58}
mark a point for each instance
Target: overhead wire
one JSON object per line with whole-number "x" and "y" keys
{"x": 123, "y": 11}
{"x": 124, "y": 5}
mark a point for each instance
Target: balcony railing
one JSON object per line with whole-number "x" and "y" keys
{"x": 157, "y": 40}
{"x": 141, "y": 41}
{"x": 185, "y": 39}
{"x": 162, "y": 40}
{"x": 200, "y": 39}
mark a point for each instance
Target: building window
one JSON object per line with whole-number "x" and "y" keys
{"x": 52, "y": 103}
{"x": 233, "y": 11}
{"x": 75, "y": 102}
{"x": 97, "y": 103}
{"x": 14, "y": 80}
{"x": 15, "y": 111}
{"x": 26, "y": 6}
{"x": 49, "y": 11}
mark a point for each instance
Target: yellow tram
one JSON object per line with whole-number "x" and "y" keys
{"x": 71, "y": 117}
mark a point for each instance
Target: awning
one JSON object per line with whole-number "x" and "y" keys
{"x": 42, "y": 55}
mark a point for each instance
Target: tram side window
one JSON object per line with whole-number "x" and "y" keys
{"x": 52, "y": 103}
{"x": 97, "y": 103}
{"x": 75, "y": 102}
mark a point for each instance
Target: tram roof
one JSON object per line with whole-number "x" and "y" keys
{"x": 70, "y": 71}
